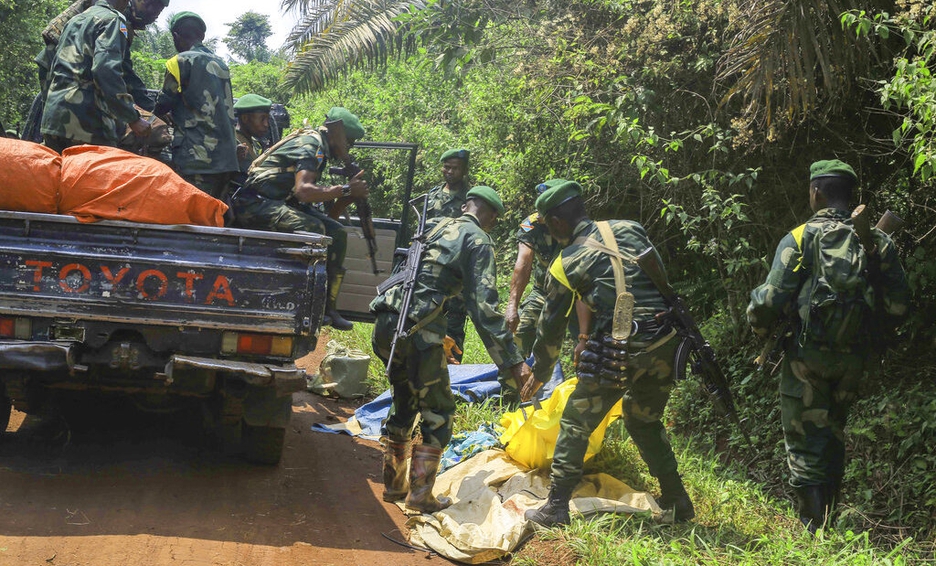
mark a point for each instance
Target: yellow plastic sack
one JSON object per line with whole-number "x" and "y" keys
{"x": 530, "y": 435}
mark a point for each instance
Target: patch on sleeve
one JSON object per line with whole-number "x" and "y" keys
{"x": 123, "y": 29}
{"x": 529, "y": 221}
{"x": 320, "y": 156}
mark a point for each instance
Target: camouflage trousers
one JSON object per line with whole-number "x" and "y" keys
{"x": 816, "y": 392}
{"x": 256, "y": 212}
{"x": 419, "y": 383}
{"x": 650, "y": 378}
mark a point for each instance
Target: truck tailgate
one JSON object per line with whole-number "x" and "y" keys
{"x": 232, "y": 279}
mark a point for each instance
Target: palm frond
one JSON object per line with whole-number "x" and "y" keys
{"x": 328, "y": 42}
{"x": 790, "y": 58}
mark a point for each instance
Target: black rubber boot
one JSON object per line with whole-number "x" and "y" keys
{"x": 811, "y": 506}
{"x": 396, "y": 470}
{"x": 423, "y": 469}
{"x": 555, "y": 511}
{"x": 332, "y": 318}
{"x": 674, "y": 500}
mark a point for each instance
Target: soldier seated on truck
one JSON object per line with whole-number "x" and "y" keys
{"x": 283, "y": 183}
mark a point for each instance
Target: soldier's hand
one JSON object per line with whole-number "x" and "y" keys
{"x": 449, "y": 345}
{"x": 529, "y": 389}
{"x": 579, "y": 348}
{"x": 520, "y": 373}
{"x": 359, "y": 186}
{"x": 242, "y": 151}
{"x": 512, "y": 317}
{"x": 141, "y": 128}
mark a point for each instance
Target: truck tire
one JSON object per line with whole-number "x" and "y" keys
{"x": 263, "y": 444}
{"x": 5, "y": 408}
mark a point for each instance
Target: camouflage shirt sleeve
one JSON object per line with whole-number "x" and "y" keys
{"x": 771, "y": 299}
{"x": 480, "y": 293}
{"x": 107, "y": 71}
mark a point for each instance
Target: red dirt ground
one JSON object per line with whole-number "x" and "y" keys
{"x": 137, "y": 489}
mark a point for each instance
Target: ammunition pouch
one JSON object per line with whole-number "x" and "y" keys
{"x": 604, "y": 362}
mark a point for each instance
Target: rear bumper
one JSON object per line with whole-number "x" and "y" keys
{"x": 59, "y": 357}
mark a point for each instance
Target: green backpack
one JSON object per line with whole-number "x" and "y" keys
{"x": 836, "y": 303}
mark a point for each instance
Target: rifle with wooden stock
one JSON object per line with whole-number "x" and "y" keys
{"x": 338, "y": 147}
{"x": 700, "y": 353}
{"x": 407, "y": 276}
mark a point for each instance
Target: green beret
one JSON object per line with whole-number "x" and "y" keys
{"x": 252, "y": 103}
{"x": 462, "y": 154}
{"x": 557, "y": 194}
{"x": 541, "y": 188}
{"x": 489, "y": 196}
{"x": 831, "y": 168}
{"x": 179, "y": 17}
{"x": 352, "y": 126}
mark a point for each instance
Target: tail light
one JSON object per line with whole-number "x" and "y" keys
{"x": 256, "y": 344}
{"x": 15, "y": 328}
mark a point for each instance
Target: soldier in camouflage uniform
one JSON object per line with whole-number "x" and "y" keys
{"x": 641, "y": 368}
{"x": 197, "y": 93}
{"x": 818, "y": 381}
{"x": 446, "y": 201}
{"x": 253, "y": 122}
{"x": 280, "y": 190}
{"x": 458, "y": 261}
{"x": 88, "y": 100}
{"x": 139, "y": 13}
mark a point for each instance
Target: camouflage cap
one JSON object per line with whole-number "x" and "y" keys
{"x": 352, "y": 126}
{"x": 252, "y": 103}
{"x": 489, "y": 196}
{"x": 556, "y": 195}
{"x": 831, "y": 168}
{"x": 461, "y": 153}
{"x": 541, "y": 188}
{"x": 181, "y": 16}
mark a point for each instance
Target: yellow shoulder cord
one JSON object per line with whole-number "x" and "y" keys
{"x": 172, "y": 65}
{"x": 797, "y": 234}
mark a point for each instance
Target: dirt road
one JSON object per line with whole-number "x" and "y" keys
{"x": 135, "y": 489}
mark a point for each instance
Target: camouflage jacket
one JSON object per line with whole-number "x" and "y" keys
{"x": 790, "y": 270}
{"x": 458, "y": 260}
{"x": 581, "y": 272}
{"x": 88, "y": 99}
{"x": 444, "y": 203}
{"x": 534, "y": 234}
{"x": 254, "y": 149}
{"x": 275, "y": 177}
{"x": 197, "y": 91}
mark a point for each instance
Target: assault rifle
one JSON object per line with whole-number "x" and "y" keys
{"x": 700, "y": 352}
{"x": 338, "y": 146}
{"x": 407, "y": 275}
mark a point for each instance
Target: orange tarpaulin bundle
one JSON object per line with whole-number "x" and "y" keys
{"x": 29, "y": 176}
{"x": 106, "y": 183}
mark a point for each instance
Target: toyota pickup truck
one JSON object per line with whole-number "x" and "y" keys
{"x": 163, "y": 314}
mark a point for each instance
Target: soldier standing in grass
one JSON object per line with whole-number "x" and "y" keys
{"x": 638, "y": 368}
{"x": 828, "y": 352}
{"x": 88, "y": 100}
{"x": 446, "y": 201}
{"x": 458, "y": 261}
{"x": 197, "y": 92}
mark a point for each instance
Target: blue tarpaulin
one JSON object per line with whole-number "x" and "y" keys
{"x": 472, "y": 383}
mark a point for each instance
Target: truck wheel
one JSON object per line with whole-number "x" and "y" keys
{"x": 263, "y": 444}
{"x": 5, "y": 407}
